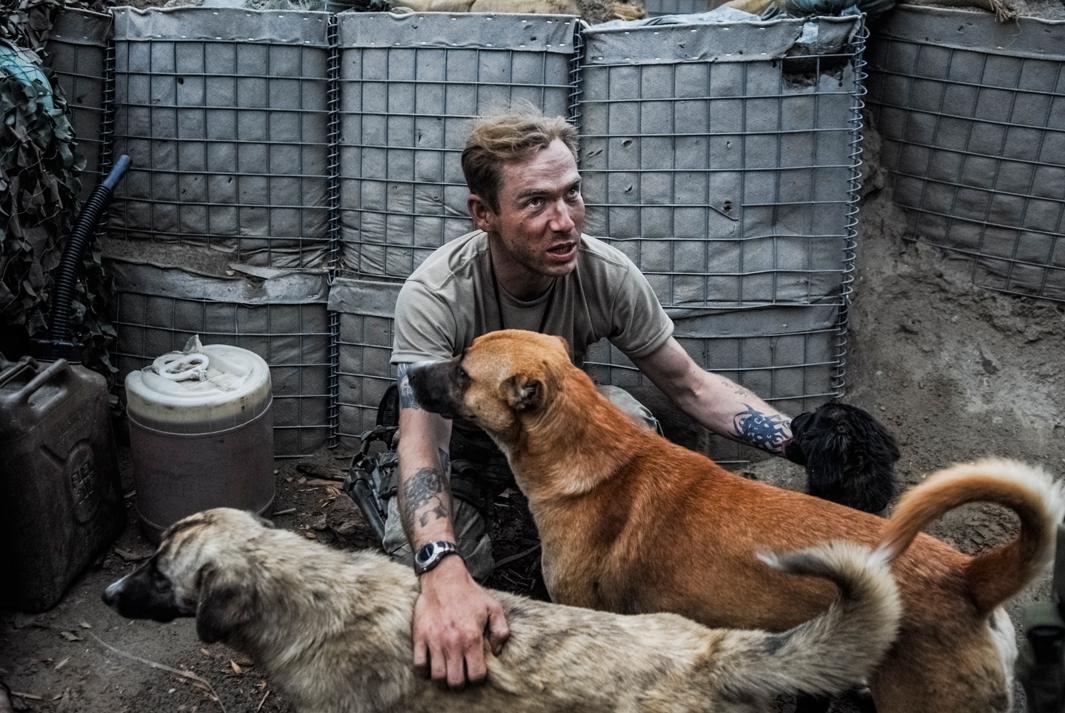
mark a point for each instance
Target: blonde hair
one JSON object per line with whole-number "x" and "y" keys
{"x": 500, "y": 138}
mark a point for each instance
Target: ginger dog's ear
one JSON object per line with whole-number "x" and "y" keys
{"x": 227, "y": 601}
{"x": 523, "y": 392}
{"x": 565, "y": 346}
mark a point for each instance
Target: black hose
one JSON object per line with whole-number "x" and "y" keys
{"x": 80, "y": 238}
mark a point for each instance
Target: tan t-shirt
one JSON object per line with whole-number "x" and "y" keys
{"x": 450, "y": 299}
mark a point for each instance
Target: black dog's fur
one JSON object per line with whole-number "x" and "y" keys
{"x": 849, "y": 456}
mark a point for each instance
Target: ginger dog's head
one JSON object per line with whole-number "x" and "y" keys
{"x": 501, "y": 379}
{"x": 199, "y": 570}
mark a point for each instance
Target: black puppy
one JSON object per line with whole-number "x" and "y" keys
{"x": 849, "y": 456}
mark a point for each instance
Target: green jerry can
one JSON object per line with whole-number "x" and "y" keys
{"x": 60, "y": 500}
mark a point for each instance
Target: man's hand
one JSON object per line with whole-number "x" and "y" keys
{"x": 451, "y": 618}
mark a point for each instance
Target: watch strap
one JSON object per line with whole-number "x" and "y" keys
{"x": 430, "y": 555}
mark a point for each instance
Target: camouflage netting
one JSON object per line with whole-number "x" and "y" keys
{"x": 40, "y": 171}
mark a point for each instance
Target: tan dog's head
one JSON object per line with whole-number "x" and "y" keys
{"x": 198, "y": 571}
{"x": 500, "y": 379}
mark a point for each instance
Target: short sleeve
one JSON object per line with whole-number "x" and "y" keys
{"x": 424, "y": 326}
{"x": 640, "y": 325}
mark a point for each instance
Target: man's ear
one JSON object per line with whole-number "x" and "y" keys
{"x": 484, "y": 218}
{"x": 227, "y": 601}
{"x": 524, "y": 393}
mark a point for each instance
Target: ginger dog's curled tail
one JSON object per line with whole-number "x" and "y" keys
{"x": 998, "y": 574}
{"x": 835, "y": 650}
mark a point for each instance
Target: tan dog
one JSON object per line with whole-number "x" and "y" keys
{"x": 633, "y": 523}
{"x": 332, "y": 630}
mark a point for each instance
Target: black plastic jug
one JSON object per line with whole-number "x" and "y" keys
{"x": 60, "y": 501}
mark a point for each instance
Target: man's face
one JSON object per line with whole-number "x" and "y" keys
{"x": 541, "y": 213}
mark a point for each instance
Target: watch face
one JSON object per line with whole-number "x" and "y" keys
{"x": 424, "y": 553}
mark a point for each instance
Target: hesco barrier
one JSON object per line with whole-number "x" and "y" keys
{"x": 409, "y": 85}
{"x": 224, "y": 114}
{"x": 79, "y": 53}
{"x": 972, "y": 115}
{"x": 723, "y": 158}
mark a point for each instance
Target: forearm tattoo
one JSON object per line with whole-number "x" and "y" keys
{"x": 406, "y": 393}
{"x": 769, "y": 433}
{"x": 425, "y": 498}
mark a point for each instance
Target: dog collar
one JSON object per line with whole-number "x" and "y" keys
{"x": 429, "y": 555}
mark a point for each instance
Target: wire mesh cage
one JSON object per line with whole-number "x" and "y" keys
{"x": 730, "y": 177}
{"x": 410, "y": 84}
{"x": 78, "y": 54}
{"x": 224, "y": 114}
{"x": 724, "y": 173}
{"x": 972, "y": 115}
{"x": 366, "y": 314}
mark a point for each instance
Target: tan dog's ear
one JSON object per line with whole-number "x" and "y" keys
{"x": 524, "y": 393}
{"x": 565, "y": 346}
{"x": 227, "y": 601}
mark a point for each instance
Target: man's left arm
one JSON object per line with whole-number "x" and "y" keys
{"x": 717, "y": 403}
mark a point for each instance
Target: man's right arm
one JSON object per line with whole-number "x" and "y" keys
{"x": 452, "y": 612}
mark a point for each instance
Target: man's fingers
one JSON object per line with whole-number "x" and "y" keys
{"x": 438, "y": 665}
{"x": 421, "y": 659}
{"x": 498, "y": 629}
{"x": 456, "y": 671}
{"x": 475, "y": 666}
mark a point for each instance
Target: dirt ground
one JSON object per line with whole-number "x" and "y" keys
{"x": 954, "y": 371}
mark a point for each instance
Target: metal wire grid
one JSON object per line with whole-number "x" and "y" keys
{"x": 788, "y": 345}
{"x": 366, "y": 310}
{"x": 726, "y": 183}
{"x": 406, "y": 111}
{"x": 334, "y": 226}
{"x": 854, "y": 192}
{"x": 975, "y": 140}
{"x": 79, "y": 50}
{"x": 365, "y": 350}
{"x": 293, "y": 339}
{"x": 229, "y": 147}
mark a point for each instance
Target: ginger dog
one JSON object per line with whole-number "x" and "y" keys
{"x": 332, "y": 630}
{"x": 633, "y": 523}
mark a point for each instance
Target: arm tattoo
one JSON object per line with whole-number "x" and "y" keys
{"x": 425, "y": 499}
{"x": 406, "y": 393}
{"x": 758, "y": 429}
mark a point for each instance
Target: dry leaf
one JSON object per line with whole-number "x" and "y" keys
{"x": 70, "y": 636}
{"x": 236, "y": 667}
{"x": 85, "y": 625}
{"x": 62, "y": 663}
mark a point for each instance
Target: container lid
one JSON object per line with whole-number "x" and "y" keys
{"x": 200, "y": 388}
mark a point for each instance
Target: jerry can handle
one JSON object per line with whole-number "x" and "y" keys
{"x": 17, "y": 368}
{"x": 58, "y": 368}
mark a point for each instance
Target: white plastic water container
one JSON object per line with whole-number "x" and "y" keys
{"x": 201, "y": 433}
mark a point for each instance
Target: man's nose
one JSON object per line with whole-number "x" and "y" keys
{"x": 562, "y": 218}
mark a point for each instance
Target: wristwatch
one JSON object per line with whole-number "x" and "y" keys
{"x": 429, "y": 555}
